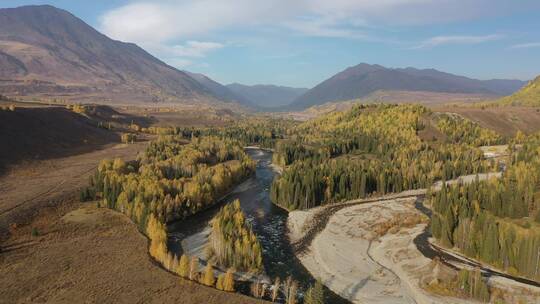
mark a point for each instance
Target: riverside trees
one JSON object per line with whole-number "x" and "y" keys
{"x": 496, "y": 221}
{"x": 232, "y": 242}
{"x": 170, "y": 181}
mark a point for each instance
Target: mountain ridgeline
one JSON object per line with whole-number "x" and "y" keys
{"x": 364, "y": 79}
{"x": 267, "y": 96}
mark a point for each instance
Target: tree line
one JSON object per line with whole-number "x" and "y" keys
{"x": 260, "y": 131}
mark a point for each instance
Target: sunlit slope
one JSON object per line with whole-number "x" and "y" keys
{"x": 529, "y": 95}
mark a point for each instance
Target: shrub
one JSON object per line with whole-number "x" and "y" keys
{"x": 128, "y": 138}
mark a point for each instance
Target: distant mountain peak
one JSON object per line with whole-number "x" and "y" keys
{"x": 364, "y": 79}
{"x": 267, "y": 95}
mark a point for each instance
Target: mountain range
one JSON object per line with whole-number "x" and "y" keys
{"x": 267, "y": 96}
{"x": 364, "y": 79}
{"x": 48, "y": 52}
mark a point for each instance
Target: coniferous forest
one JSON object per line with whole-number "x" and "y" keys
{"x": 496, "y": 221}
{"x": 367, "y": 150}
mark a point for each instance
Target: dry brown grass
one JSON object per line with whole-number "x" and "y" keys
{"x": 504, "y": 120}
{"x": 91, "y": 255}
{"x": 399, "y": 221}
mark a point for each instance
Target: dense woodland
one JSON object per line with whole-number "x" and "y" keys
{"x": 496, "y": 221}
{"x": 232, "y": 242}
{"x": 369, "y": 149}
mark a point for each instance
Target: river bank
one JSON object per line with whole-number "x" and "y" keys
{"x": 361, "y": 257}
{"x": 269, "y": 223}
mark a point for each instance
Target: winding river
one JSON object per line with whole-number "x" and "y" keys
{"x": 269, "y": 223}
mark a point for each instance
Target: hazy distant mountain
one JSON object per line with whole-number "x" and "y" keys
{"x": 364, "y": 79}
{"x": 48, "y": 51}
{"x": 267, "y": 96}
{"x": 218, "y": 90}
{"x": 529, "y": 95}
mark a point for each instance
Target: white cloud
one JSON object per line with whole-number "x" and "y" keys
{"x": 323, "y": 27}
{"x": 168, "y": 26}
{"x": 526, "y": 45}
{"x": 182, "y": 55}
{"x": 443, "y": 40}
{"x": 179, "y": 63}
{"x": 159, "y": 21}
{"x": 194, "y": 48}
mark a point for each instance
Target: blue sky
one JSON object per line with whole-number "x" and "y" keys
{"x": 301, "y": 43}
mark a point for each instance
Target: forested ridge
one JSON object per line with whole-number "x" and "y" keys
{"x": 496, "y": 221}
{"x": 369, "y": 149}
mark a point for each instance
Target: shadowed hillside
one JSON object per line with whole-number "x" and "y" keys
{"x": 51, "y": 132}
{"x": 267, "y": 96}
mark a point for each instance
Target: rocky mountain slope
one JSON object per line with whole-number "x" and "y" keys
{"x": 48, "y": 52}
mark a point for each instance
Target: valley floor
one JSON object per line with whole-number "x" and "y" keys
{"x": 78, "y": 252}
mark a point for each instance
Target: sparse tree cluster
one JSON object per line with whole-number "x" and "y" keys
{"x": 128, "y": 138}
{"x": 472, "y": 284}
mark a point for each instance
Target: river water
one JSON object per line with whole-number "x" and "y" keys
{"x": 268, "y": 221}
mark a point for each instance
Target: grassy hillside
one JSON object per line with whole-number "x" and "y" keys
{"x": 527, "y": 96}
